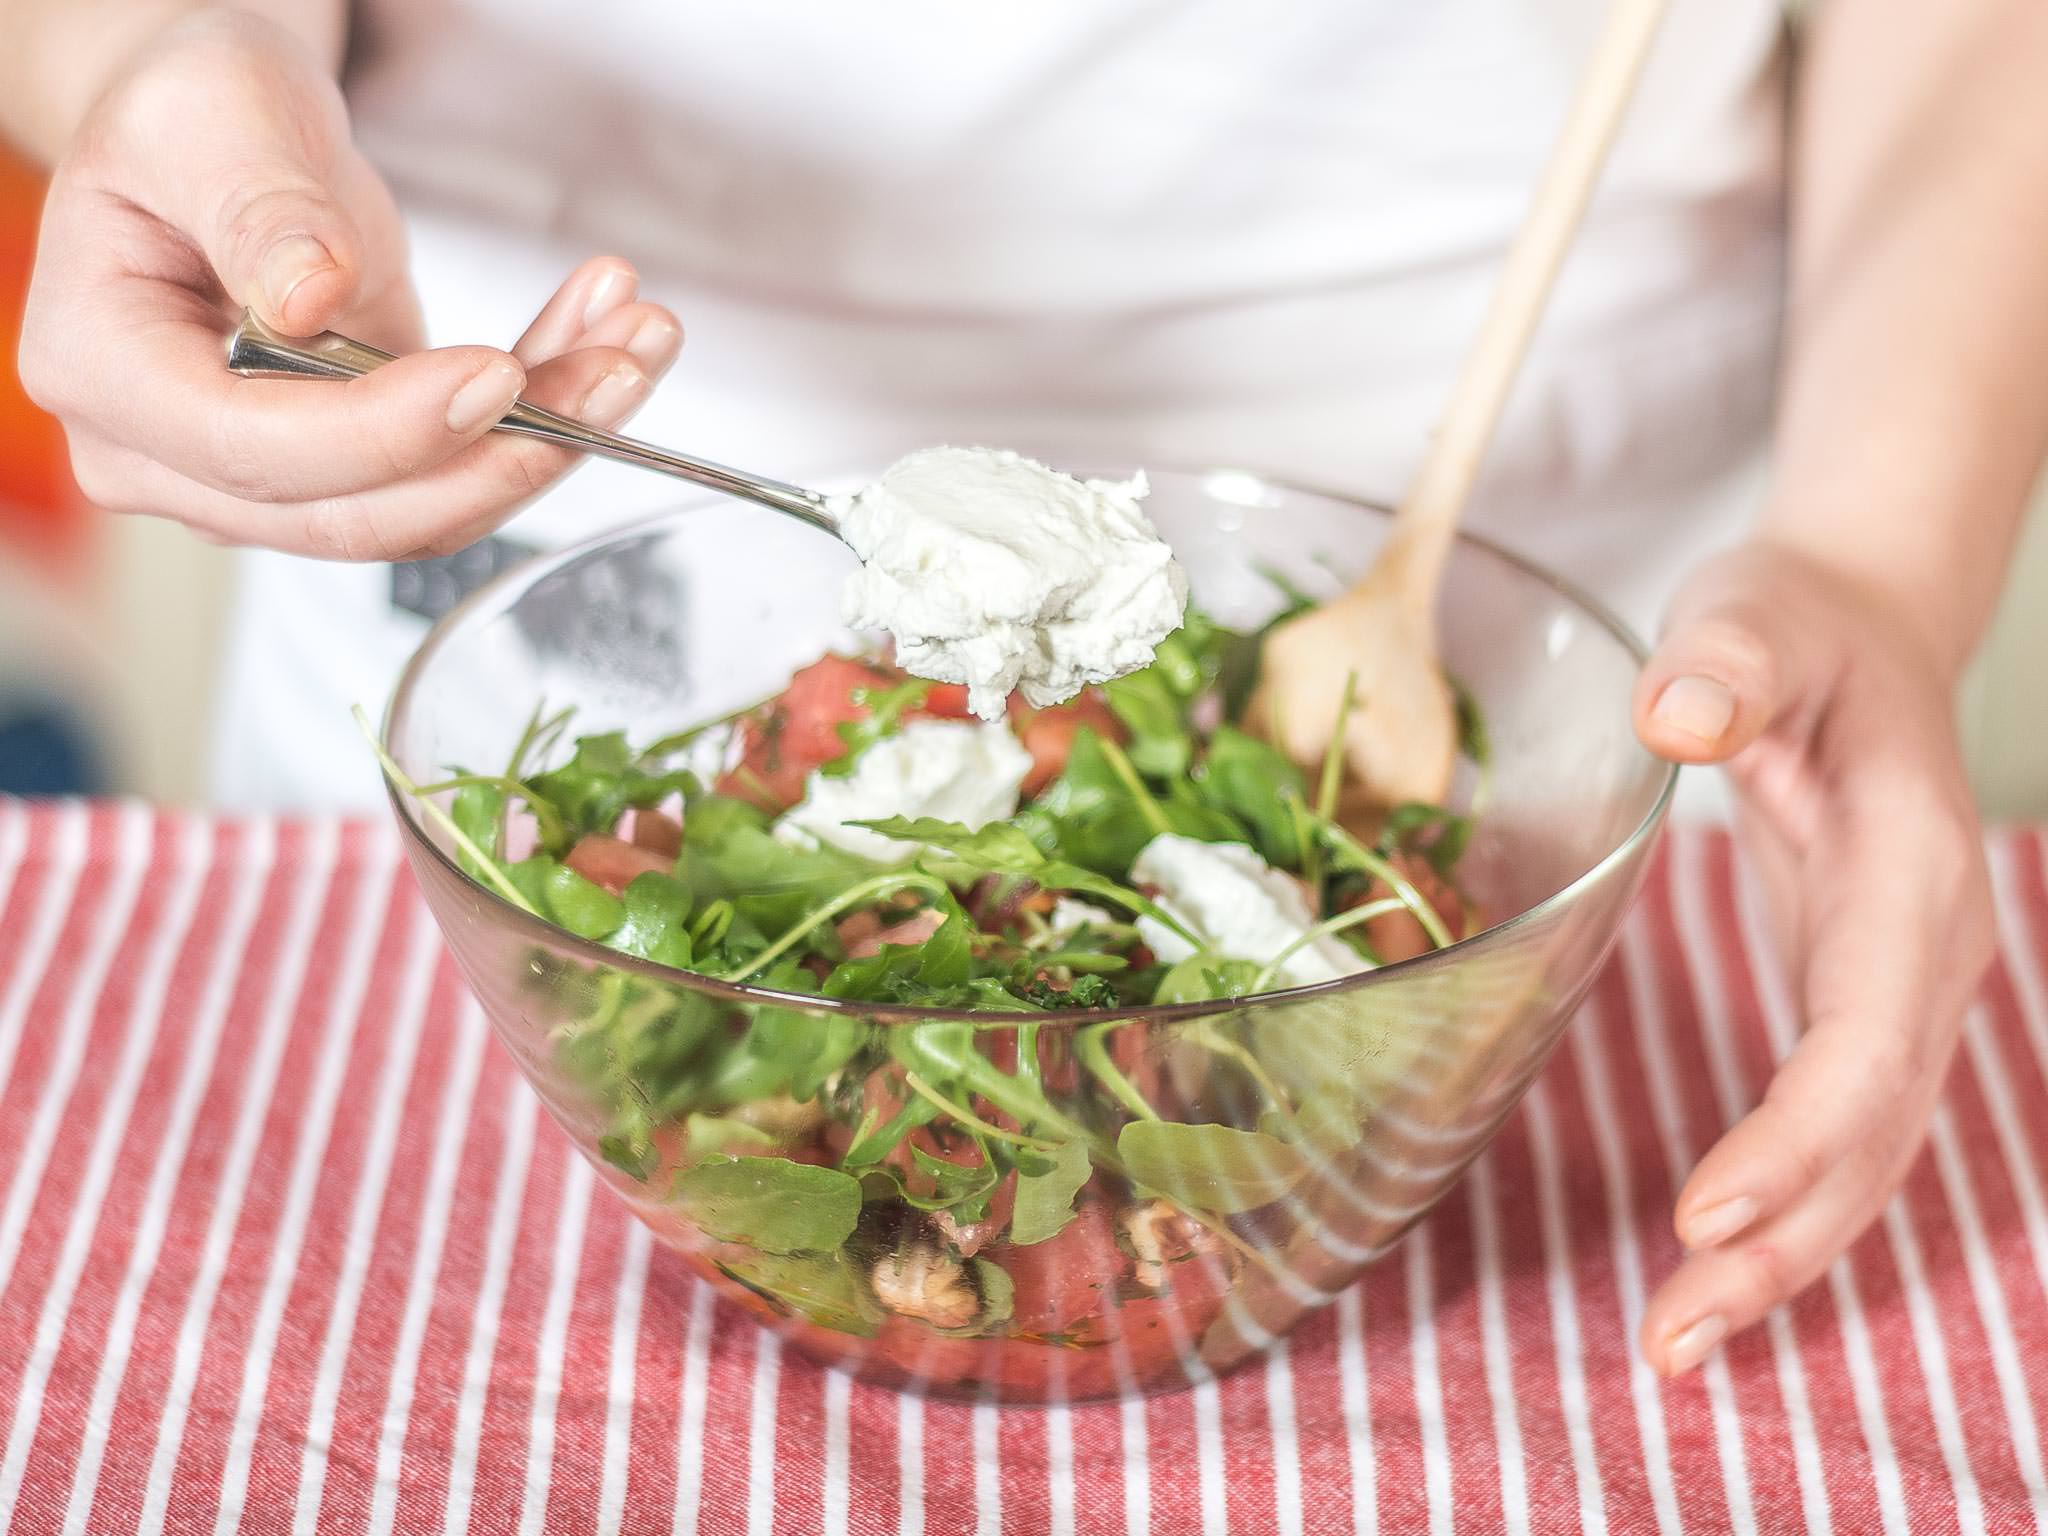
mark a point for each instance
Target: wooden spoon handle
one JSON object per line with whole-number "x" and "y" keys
{"x": 1429, "y": 514}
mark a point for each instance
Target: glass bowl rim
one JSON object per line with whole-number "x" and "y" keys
{"x": 526, "y": 571}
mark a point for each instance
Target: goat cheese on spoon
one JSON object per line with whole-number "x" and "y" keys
{"x": 992, "y": 570}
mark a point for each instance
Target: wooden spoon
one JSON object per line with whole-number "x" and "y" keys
{"x": 1401, "y": 737}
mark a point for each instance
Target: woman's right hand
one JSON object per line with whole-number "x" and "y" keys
{"x": 217, "y": 172}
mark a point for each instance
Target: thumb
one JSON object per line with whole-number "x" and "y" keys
{"x": 288, "y": 251}
{"x": 246, "y": 141}
{"x": 1730, "y": 662}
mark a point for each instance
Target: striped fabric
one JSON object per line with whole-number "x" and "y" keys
{"x": 286, "y": 1246}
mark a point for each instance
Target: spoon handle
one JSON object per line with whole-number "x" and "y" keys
{"x": 257, "y": 351}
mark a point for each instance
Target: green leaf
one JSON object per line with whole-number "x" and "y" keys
{"x": 1252, "y": 782}
{"x": 885, "y": 708}
{"x": 961, "y": 1190}
{"x": 872, "y": 1143}
{"x": 1205, "y": 977}
{"x": 655, "y": 926}
{"x": 1324, "y": 1122}
{"x": 840, "y": 1039}
{"x": 1088, "y": 990}
{"x": 944, "y": 1054}
{"x": 779, "y": 1045}
{"x": 771, "y": 1203}
{"x": 1097, "y": 823}
{"x": 1407, "y": 827}
{"x": 999, "y": 846}
{"x": 1209, "y": 1167}
{"x": 824, "y": 1288}
{"x": 601, "y": 781}
{"x": 1155, "y": 714}
{"x": 587, "y": 910}
{"x": 706, "y": 1135}
{"x": 1045, "y": 1201}
{"x": 631, "y": 1155}
{"x": 1473, "y": 738}
{"x": 479, "y": 810}
{"x": 728, "y": 852}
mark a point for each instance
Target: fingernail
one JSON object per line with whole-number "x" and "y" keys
{"x": 1718, "y": 1223}
{"x": 289, "y": 263}
{"x": 1688, "y": 1347}
{"x": 612, "y": 396}
{"x": 486, "y": 397}
{"x": 612, "y": 289}
{"x": 654, "y": 345}
{"x": 1696, "y": 706}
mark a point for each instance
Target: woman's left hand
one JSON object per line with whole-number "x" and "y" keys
{"x": 1830, "y": 707}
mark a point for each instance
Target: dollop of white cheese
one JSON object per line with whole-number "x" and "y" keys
{"x": 1071, "y": 916}
{"x": 992, "y": 570}
{"x": 950, "y": 770}
{"x": 1238, "y": 905}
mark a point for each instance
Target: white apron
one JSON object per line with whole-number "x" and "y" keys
{"x": 1190, "y": 233}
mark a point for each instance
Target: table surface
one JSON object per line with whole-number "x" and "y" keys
{"x": 287, "y": 1245}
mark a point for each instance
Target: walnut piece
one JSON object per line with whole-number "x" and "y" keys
{"x": 921, "y": 1282}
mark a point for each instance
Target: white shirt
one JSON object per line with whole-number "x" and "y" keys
{"x": 1115, "y": 232}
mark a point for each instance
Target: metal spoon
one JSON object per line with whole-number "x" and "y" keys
{"x": 256, "y": 351}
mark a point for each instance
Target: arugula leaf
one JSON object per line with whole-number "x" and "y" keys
{"x": 729, "y": 852}
{"x": 1156, "y": 716}
{"x": 782, "y": 1048}
{"x": 1406, "y": 825}
{"x": 1045, "y": 1201}
{"x": 1252, "y": 781}
{"x": 1088, "y": 990}
{"x": 885, "y": 708}
{"x": 944, "y": 1054}
{"x": 872, "y": 1142}
{"x": 1205, "y": 977}
{"x": 1209, "y": 1167}
{"x": 1473, "y": 738}
{"x": 655, "y": 925}
{"x": 600, "y": 782}
{"x": 999, "y": 846}
{"x": 705, "y": 1135}
{"x": 823, "y": 1288}
{"x": 565, "y": 898}
{"x": 631, "y": 1155}
{"x": 771, "y": 1203}
{"x": 479, "y": 810}
{"x": 1094, "y": 821}
{"x": 1004, "y": 848}
{"x": 939, "y": 962}
{"x": 963, "y": 1190}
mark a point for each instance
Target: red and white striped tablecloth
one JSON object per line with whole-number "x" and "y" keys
{"x": 285, "y": 1245}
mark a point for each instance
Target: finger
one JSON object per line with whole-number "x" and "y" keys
{"x": 1732, "y": 660}
{"x": 598, "y": 288}
{"x": 1717, "y": 1292}
{"x": 648, "y": 332}
{"x": 1886, "y": 985}
{"x": 262, "y": 136}
{"x": 278, "y": 440}
{"x": 1881, "y": 1006}
{"x": 441, "y": 511}
{"x": 467, "y": 497}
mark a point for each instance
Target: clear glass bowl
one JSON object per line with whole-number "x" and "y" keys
{"x": 1397, "y": 1077}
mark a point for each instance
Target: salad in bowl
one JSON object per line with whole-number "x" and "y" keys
{"x": 1075, "y": 1051}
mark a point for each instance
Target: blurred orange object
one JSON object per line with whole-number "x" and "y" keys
{"x": 42, "y": 515}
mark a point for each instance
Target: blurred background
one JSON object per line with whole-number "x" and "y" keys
{"x": 110, "y": 627}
